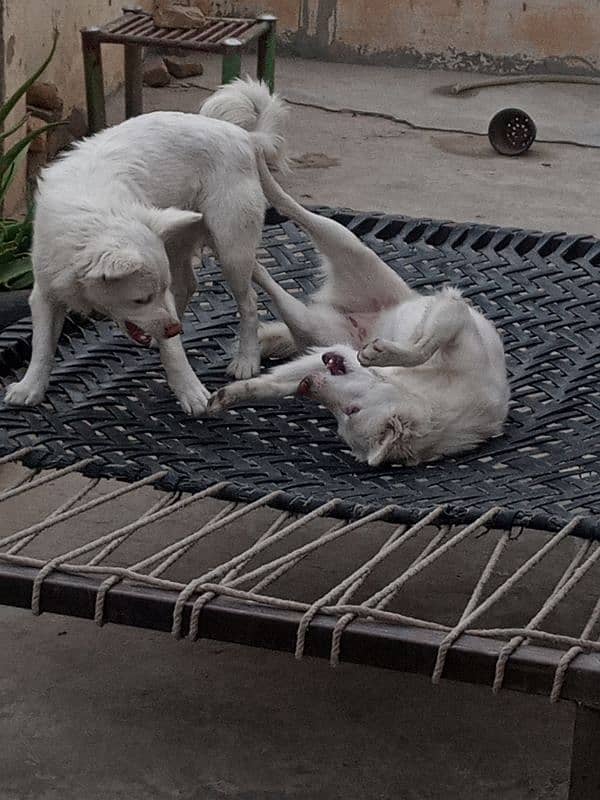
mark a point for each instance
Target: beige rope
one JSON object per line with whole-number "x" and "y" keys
{"x": 349, "y": 580}
{"x": 357, "y": 610}
{"x": 27, "y": 478}
{"x": 381, "y": 597}
{"x": 73, "y": 512}
{"x": 16, "y": 455}
{"x": 90, "y": 485}
{"x": 570, "y": 577}
{"x": 394, "y": 541}
{"x": 384, "y": 595}
{"x": 47, "y": 477}
{"x": 167, "y": 500}
{"x": 234, "y": 578}
{"x": 346, "y": 619}
{"x": 499, "y": 592}
{"x": 486, "y": 574}
{"x": 119, "y": 534}
{"x": 196, "y": 584}
{"x": 114, "y": 579}
{"x": 234, "y": 572}
{"x": 571, "y": 654}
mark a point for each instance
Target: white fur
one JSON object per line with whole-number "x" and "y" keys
{"x": 119, "y": 218}
{"x": 248, "y": 104}
{"x": 424, "y": 376}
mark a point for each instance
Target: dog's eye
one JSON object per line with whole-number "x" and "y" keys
{"x": 352, "y": 410}
{"x": 143, "y": 301}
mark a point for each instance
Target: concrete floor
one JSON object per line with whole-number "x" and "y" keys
{"x": 119, "y": 713}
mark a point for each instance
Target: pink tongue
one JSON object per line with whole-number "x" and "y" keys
{"x": 137, "y": 334}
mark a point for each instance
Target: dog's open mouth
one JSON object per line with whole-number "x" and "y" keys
{"x": 305, "y": 387}
{"x": 137, "y": 334}
{"x": 335, "y": 363}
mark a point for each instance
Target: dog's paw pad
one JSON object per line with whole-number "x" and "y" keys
{"x": 371, "y": 354}
{"x": 243, "y": 367}
{"x": 24, "y": 394}
{"x": 217, "y": 402}
{"x": 194, "y": 399}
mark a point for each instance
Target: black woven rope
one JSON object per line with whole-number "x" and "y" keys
{"x": 108, "y": 398}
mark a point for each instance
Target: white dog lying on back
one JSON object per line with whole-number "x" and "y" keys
{"x": 429, "y": 378}
{"x": 110, "y": 235}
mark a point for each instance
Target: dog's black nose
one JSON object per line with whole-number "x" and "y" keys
{"x": 172, "y": 329}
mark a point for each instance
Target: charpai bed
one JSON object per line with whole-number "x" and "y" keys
{"x": 278, "y": 474}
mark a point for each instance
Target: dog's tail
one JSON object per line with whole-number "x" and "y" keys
{"x": 276, "y": 196}
{"x": 248, "y": 104}
{"x": 320, "y": 228}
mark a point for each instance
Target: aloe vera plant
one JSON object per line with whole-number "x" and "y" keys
{"x": 15, "y": 235}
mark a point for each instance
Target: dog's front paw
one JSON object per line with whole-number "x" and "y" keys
{"x": 372, "y": 354}
{"x": 193, "y": 398}
{"x": 217, "y": 402}
{"x": 243, "y": 367}
{"x": 226, "y": 397}
{"x": 24, "y": 393}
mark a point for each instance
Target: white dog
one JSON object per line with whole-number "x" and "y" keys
{"x": 110, "y": 234}
{"x": 429, "y": 378}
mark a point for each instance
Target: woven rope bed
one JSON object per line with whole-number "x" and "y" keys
{"x": 278, "y": 470}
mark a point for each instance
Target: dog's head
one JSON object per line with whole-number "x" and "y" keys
{"x": 127, "y": 274}
{"x": 379, "y": 421}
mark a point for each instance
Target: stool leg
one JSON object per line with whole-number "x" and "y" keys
{"x": 585, "y": 758}
{"x": 133, "y": 81}
{"x": 94, "y": 79}
{"x": 265, "y": 63}
{"x": 232, "y": 60}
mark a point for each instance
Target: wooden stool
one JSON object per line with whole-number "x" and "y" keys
{"x": 136, "y": 29}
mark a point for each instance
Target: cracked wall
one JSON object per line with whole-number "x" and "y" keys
{"x": 484, "y": 35}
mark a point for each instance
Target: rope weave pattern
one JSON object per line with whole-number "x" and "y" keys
{"x": 247, "y": 574}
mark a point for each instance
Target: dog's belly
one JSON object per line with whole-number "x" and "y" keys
{"x": 362, "y": 327}
{"x": 402, "y": 323}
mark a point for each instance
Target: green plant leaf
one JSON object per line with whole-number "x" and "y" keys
{"x": 16, "y": 273}
{"x": 19, "y": 124}
{"x": 10, "y": 159}
{"x": 11, "y": 155}
{"x": 12, "y": 101}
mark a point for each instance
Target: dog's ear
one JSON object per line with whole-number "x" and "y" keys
{"x": 394, "y": 443}
{"x": 173, "y": 223}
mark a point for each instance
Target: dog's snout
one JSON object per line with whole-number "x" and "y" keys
{"x": 172, "y": 329}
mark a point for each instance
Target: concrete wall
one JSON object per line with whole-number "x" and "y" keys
{"x": 27, "y": 27}
{"x": 505, "y": 35}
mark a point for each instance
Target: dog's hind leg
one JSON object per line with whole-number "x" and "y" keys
{"x": 279, "y": 382}
{"x": 444, "y": 320}
{"x": 276, "y": 341}
{"x": 309, "y": 325}
{"x": 48, "y": 319}
{"x": 236, "y": 235}
{"x": 183, "y": 284}
{"x": 356, "y": 278}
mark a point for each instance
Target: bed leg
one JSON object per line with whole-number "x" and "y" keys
{"x": 232, "y": 60}
{"x": 585, "y": 755}
{"x": 133, "y": 80}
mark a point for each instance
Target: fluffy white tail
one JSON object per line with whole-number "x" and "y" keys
{"x": 247, "y": 103}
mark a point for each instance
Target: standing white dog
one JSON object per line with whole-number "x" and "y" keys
{"x": 430, "y": 375}
{"x": 110, "y": 234}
